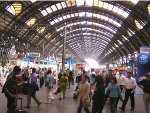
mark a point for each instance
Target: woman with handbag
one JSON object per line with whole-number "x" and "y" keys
{"x": 83, "y": 94}
{"x": 99, "y": 95}
{"x": 32, "y": 89}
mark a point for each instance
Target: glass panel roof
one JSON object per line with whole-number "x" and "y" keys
{"x": 89, "y": 2}
{"x": 125, "y": 38}
{"x": 139, "y": 26}
{"x": 59, "y": 6}
{"x": 96, "y": 3}
{"x": 31, "y": 22}
{"x": 15, "y": 8}
{"x": 80, "y": 2}
{"x": 88, "y": 14}
{"x": 130, "y": 32}
{"x": 119, "y": 42}
{"x": 148, "y": 7}
{"x": 41, "y": 29}
{"x": 54, "y": 8}
{"x": 49, "y": 10}
{"x": 63, "y": 4}
{"x": 134, "y": 1}
{"x": 93, "y": 23}
{"x": 44, "y": 12}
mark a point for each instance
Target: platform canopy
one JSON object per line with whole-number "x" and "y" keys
{"x": 97, "y": 29}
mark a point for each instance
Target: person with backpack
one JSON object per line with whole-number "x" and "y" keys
{"x": 10, "y": 89}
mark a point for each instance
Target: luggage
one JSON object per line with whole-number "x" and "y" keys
{"x": 20, "y": 110}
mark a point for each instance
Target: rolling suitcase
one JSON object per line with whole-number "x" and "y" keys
{"x": 20, "y": 110}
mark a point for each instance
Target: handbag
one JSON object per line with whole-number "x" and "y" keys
{"x": 75, "y": 95}
{"x": 86, "y": 103}
{"x": 36, "y": 87}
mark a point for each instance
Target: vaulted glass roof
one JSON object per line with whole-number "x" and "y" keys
{"x": 99, "y": 29}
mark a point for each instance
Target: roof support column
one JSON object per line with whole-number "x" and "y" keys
{"x": 64, "y": 48}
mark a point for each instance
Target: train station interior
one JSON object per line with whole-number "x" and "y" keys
{"x": 72, "y": 39}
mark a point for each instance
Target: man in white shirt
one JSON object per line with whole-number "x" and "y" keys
{"x": 121, "y": 79}
{"x": 129, "y": 89}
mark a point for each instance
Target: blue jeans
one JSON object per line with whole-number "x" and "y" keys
{"x": 113, "y": 102}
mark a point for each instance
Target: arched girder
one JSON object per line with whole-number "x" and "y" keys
{"x": 52, "y": 16}
{"x": 119, "y": 51}
{"x": 68, "y": 20}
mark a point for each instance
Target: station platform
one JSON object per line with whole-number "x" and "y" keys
{"x": 69, "y": 105}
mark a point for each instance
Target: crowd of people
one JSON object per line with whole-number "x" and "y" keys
{"x": 93, "y": 89}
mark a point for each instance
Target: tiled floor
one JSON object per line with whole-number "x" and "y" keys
{"x": 66, "y": 106}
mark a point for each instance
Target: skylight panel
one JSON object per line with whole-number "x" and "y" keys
{"x": 81, "y": 14}
{"x": 52, "y": 23}
{"x": 68, "y": 3}
{"x": 134, "y": 1}
{"x": 73, "y": 2}
{"x": 89, "y": 2}
{"x": 33, "y": 1}
{"x": 110, "y": 7}
{"x": 56, "y": 20}
{"x": 80, "y": 2}
{"x": 130, "y": 32}
{"x": 120, "y": 11}
{"x": 68, "y": 16}
{"x": 54, "y": 8}
{"x": 44, "y": 12}
{"x": 83, "y": 22}
{"x": 59, "y": 6}
{"x": 64, "y": 17}
{"x": 105, "y": 5}
{"x": 125, "y": 14}
{"x": 125, "y": 38}
{"x": 15, "y": 8}
{"x": 76, "y": 14}
{"x": 31, "y": 22}
{"x": 96, "y": 3}
{"x": 113, "y": 48}
{"x": 63, "y": 4}
{"x": 49, "y": 10}
{"x": 89, "y": 14}
{"x": 115, "y": 9}
{"x": 100, "y": 4}
{"x": 119, "y": 42}
{"x": 72, "y": 15}
{"x": 41, "y": 29}
{"x": 95, "y": 15}
{"x": 90, "y": 23}
{"x": 139, "y": 26}
{"x": 148, "y": 7}
{"x": 60, "y": 18}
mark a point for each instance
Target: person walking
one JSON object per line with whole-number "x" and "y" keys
{"x": 63, "y": 85}
{"x": 10, "y": 89}
{"x": 32, "y": 91}
{"x": 121, "y": 80}
{"x": 145, "y": 85}
{"x": 114, "y": 92}
{"x": 130, "y": 86}
{"x": 49, "y": 85}
{"x": 83, "y": 94}
{"x": 99, "y": 95}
